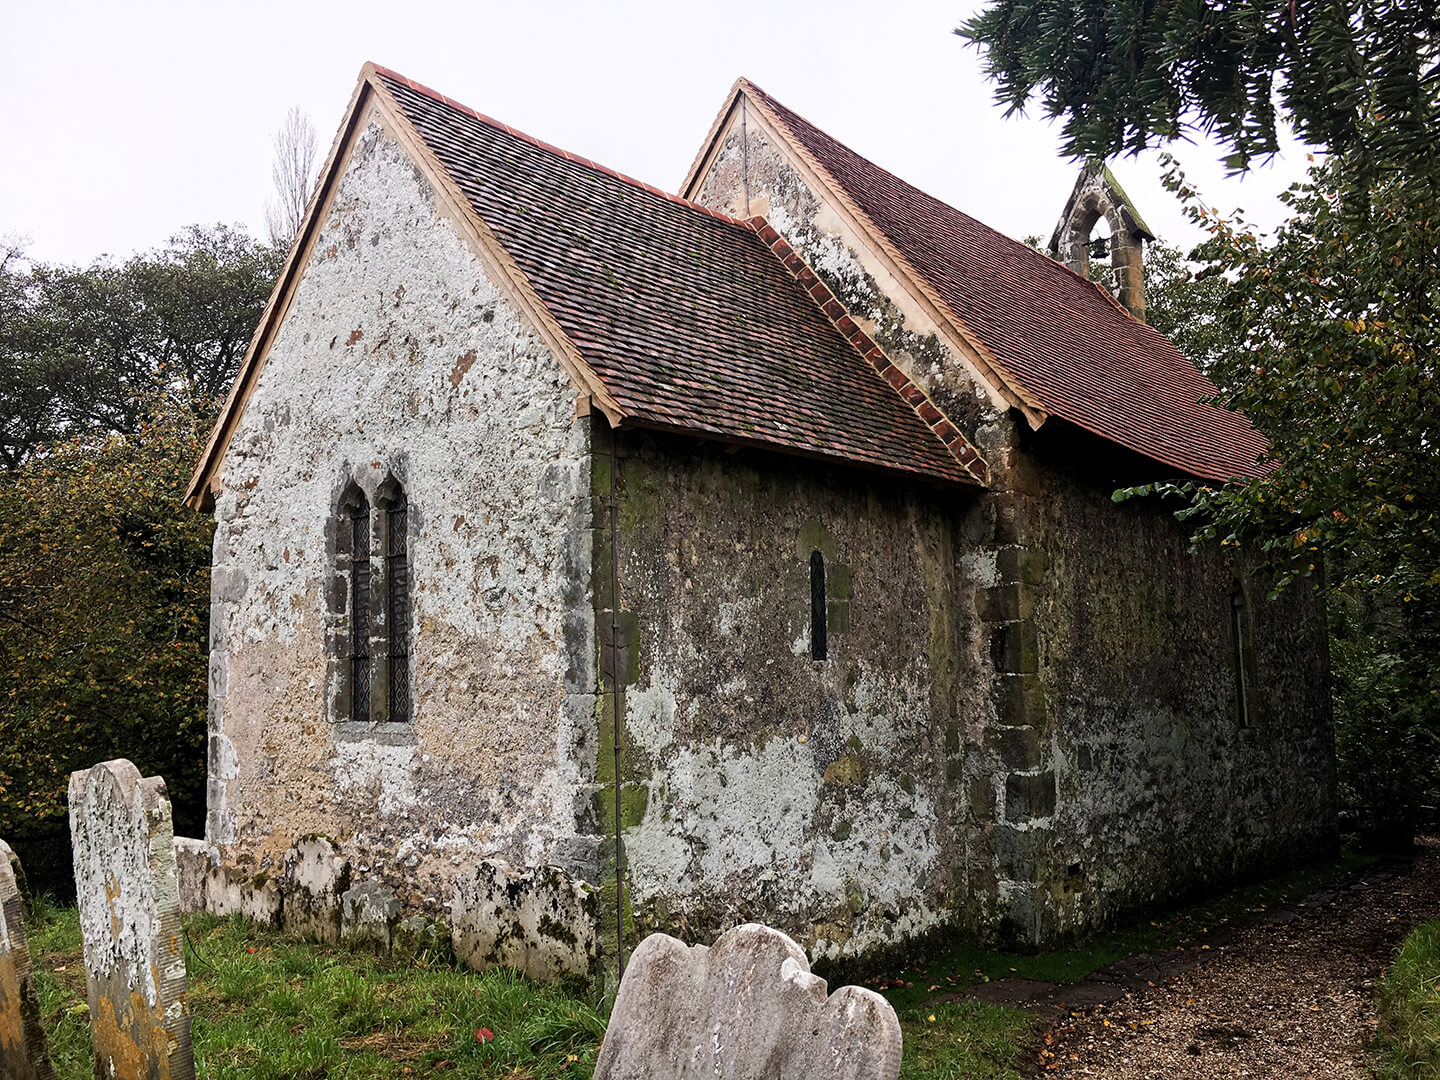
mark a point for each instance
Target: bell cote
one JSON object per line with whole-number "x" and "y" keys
{"x": 1098, "y": 196}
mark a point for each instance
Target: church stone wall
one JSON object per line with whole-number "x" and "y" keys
{"x": 825, "y": 797}
{"x": 399, "y": 361}
{"x": 1146, "y": 781}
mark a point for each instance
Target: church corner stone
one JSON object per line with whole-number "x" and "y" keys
{"x": 23, "y": 1054}
{"x": 123, "y": 847}
{"x": 746, "y": 1006}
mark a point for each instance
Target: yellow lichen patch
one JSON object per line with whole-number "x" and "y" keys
{"x": 847, "y": 770}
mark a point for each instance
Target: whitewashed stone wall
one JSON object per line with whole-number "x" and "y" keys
{"x": 399, "y": 359}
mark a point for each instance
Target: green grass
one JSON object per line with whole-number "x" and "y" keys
{"x": 965, "y": 1040}
{"x": 266, "y": 1006}
{"x": 1408, "y": 1046}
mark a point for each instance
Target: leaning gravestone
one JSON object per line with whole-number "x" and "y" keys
{"x": 124, "y": 851}
{"x": 746, "y": 1008}
{"x": 22, "y": 1040}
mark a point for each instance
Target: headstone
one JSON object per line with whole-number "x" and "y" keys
{"x": 420, "y": 934}
{"x": 123, "y": 846}
{"x": 745, "y": 1007}
{"x": 369, "y": 912}
{"x": 539, "y": 921}
{"x": 194, "y": 859}
{"x": 231, "y": 891}
{"x": 314, "y": 879}
{"x": 22, "y": 1039}
{"x": 7, "y": 853}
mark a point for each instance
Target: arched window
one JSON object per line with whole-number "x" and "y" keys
{"x": 397, "y": 615}
{"x": 818, "y": 641}
{"x": 360, "y": 609}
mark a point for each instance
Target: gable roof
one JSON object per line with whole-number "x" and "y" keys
{"x": 1058, "y": 339}
{"x": 672, "y": 316}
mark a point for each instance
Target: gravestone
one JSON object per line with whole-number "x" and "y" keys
{"x": 369, "y": 914}
{"x": 314, "y": 879}
{"x": 746, "y": 1007}
{"x": 123, "y": 846}
{"x": 232, "y": 891}
{"x": 539, "y": 920}
{"x": 22, "y": 1040}
{"x": 194, "y": 859}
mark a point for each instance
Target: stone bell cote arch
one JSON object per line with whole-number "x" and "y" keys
{"x": 1098, "y": 194}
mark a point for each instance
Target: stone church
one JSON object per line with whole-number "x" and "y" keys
{"x": 747, "y": 553}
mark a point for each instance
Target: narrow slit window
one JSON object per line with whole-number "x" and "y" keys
{"x": 818, "y": 642}
{"x": 360, "y": 611}
{"x": 397, "y": 616}
{"x": 1241, "y": 638}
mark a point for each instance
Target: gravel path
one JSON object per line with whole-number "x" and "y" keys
{"x": 1290, "y": 997}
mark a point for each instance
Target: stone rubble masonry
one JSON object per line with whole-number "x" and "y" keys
{"x": 194, "y": 859}
{"x": 370, "y": 912}
{"x": 23, "y": 1055}
{"x": 539, "y": 921}
{"x": 123, "y": 846}
{"x": 315, "y": 877}
{"x": 746, "y": 1006}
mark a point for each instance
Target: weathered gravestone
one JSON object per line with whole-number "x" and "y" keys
{"x": 22, "y": 1040}
{"x": 315, "y": 878}
{"x": 124, "y": 850}
{"x": 746, "y": 1008}
{"x": 539, "y": 921}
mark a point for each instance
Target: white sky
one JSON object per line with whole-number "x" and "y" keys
{"x": 124, "y": 122}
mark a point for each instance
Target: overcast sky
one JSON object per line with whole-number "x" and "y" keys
{"x": 126, "y": 121}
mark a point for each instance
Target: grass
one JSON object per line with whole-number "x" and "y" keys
{"x": 266, "y": 1006}
{"x": 1408, "y": 1046}
{"x": 965, "y": 1039}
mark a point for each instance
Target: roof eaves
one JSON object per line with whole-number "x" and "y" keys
{"x": 949, "y": 434}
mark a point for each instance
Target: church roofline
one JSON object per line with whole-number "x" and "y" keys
{"x": 514, "y": 282}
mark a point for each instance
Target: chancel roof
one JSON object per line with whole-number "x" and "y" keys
{"x": 1060, "y": 338}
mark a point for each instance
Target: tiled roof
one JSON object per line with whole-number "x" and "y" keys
{"x": 685, "y": 315}
{"x": 1060, "y": 337}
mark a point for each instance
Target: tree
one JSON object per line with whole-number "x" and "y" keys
{"x": 1331, "y": 322}
{"x": 1124, "y": 76}
{"x": 104, "y": 603}
{"x": 293, "y": 173}
{"x": 86, "y": 352}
